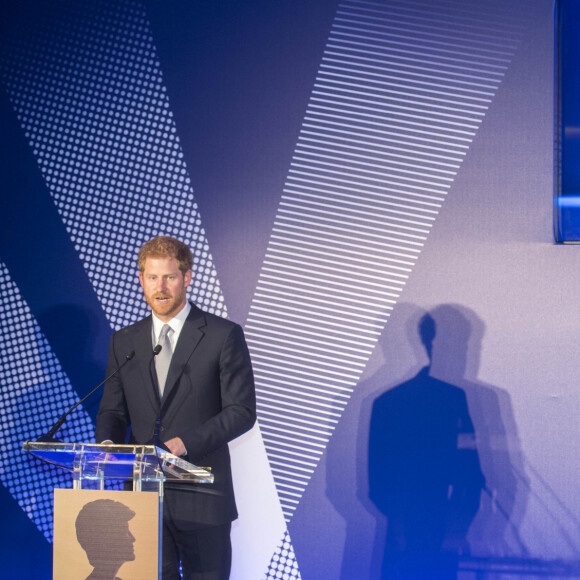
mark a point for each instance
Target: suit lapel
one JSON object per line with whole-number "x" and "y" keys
{"x": 190, "y": 336}
{"x": 143, "y": 343}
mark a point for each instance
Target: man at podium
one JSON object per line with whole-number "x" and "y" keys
{"x": 189, "y": 388}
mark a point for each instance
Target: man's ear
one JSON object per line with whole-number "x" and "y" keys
{"x": 141, "y": 278}
{"x": 187, "y": 278}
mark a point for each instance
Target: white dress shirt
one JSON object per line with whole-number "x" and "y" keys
{"x": 176, "y": 324}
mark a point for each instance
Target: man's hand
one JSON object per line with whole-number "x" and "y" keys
{"x": 176, "y": 446}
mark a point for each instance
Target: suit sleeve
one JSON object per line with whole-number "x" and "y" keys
{"x": 112, "y": 417}
{"x": 238, "y": 400}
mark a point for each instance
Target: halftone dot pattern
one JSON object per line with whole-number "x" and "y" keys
{"x": 34, "y": 392}
{"x": 88, "y": 90}
{"x": 283, "y": 565}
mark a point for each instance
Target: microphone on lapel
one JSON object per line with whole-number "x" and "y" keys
{"x": 156, "y": 350}
{"x": 156, "y": 435}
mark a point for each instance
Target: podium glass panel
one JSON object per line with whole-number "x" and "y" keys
{"x": 141, "y": 463}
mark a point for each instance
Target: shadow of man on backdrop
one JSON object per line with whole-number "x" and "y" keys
{"x": 423, "y": 467}
{"x": 363, "y": 481}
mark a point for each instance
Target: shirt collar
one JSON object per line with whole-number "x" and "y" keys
{"x": 176, "y": 322}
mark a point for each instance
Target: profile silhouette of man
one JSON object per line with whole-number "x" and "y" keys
{"x": 102, "y": 528}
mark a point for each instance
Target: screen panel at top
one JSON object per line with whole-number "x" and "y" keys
{"x": 567, "y": 170}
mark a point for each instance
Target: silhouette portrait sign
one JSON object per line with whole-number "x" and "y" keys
{"x": 105, "y": 535}
{"x": 103, "y": 532}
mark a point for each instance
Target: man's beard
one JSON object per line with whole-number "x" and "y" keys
{"x": 172, "y": 304}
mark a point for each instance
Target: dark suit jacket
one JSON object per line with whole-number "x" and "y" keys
{"x": 209, "y": 399}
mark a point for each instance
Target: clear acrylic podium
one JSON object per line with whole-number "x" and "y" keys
{"x": 146, "y": 465}
{"x": 92, "y": 465}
